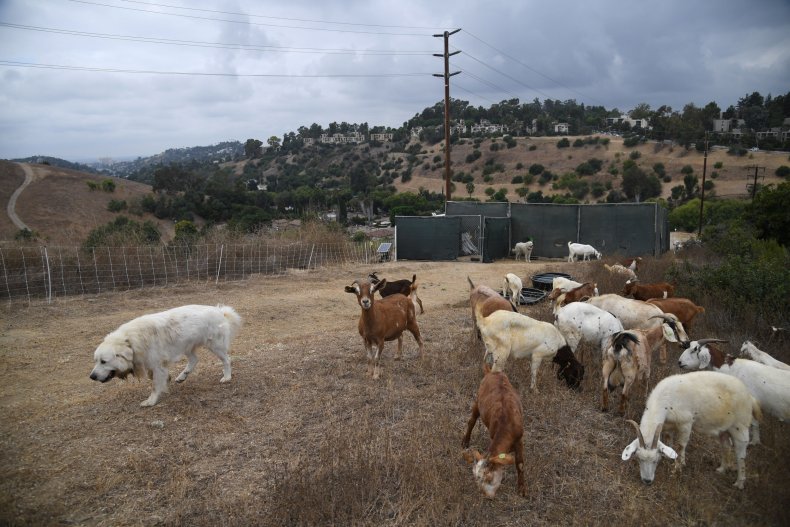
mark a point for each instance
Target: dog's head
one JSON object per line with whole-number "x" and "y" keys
{"x": 113, "y": 358}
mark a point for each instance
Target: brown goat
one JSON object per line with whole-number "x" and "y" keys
{"x": 647, "y": 291}
{"x": 586, "y": 290}
{"x": 383, "y": 320}
{"x": 490, "y": 301}
{"x": 683, "y": 308}
{"x": 498, "y": 405}
{"x": 403, "y": 287}
{"x": 632, "y": 263}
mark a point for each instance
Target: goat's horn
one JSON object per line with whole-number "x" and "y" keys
{"x": 638, "y": 433}
{"x": 656, "y": 435}
{"x": 702, "y": 342}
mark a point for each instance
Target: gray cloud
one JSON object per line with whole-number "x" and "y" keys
{"x": 616, "y": 53}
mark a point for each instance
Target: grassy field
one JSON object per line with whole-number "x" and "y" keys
{"x": 301, "y": 436}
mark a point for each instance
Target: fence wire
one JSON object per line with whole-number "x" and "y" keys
{"x": 50, "y": 272}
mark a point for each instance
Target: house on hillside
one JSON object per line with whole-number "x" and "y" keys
{"x": 384, "y": 138}
{"x": 633, "y": 123}
{"x": 561, "y": 128}
{"x": 487, "y": 127}
{"x": 726, "y": 126}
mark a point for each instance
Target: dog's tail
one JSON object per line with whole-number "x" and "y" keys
{"x": 233, "y": 318}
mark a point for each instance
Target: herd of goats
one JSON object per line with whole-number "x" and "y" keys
{"x": 726, "y": 401}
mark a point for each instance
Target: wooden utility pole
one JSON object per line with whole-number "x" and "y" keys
{"x": 702, "y": 189}
{"x": 447, "y": 76}
{"x": 754, "y": 185}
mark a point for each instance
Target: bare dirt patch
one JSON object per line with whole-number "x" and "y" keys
{"x": 301, "y": 436}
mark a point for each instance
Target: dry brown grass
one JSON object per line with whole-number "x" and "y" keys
{"x": 302, "y": 437}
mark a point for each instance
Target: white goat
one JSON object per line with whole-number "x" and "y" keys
{"x": 635, "y": 314}
{"x": 750, "y": 351}
{"x": 524, "y": 249}
{"x": 769, "y": 385}
{"x": 709, "y": 402}
{"x": 564, "y": 284}
{"x": 580, "y": 321}
{"x": 629, "y": 355}
{"x": 581, "y": 250}
{"x": 511, "y": 286}
{"x": 506, "y": 333}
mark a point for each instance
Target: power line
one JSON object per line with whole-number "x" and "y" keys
{"x": 241, "y": 22}
{"x": 487, "y": 83}
{"x": 507, "y": 75}
{"x": 530, "y": 68}
{"x": 203, "y": 44}
{"x": 277, "y": 17}
{"x": 12, "y": 63}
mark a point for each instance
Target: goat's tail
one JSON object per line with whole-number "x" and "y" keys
{"x": 620, "y": 340}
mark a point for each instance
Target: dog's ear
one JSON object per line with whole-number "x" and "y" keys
{"x": 126, "y": 352}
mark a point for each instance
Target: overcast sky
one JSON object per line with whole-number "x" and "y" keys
{"x": 144, "y": 76}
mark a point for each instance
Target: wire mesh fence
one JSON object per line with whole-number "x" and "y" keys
{"x": 49, "y": 272}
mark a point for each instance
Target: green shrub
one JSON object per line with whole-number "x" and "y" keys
{"x": 717, "y": 165}
{"x": 116, "y": 205}
{"x": 630, "y": 142}
{"x": 783, "y": 171}
{"x": 517, "y": 180}
{"x": 578, "y": 143}
{"x": 536, "y": 169}
{"x": 563, "y": 143}
{"x": 108, "y": 185}
{"x": 532, "y": 147}
{"x": 635, "y": 154}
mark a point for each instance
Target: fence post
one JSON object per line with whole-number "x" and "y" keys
{"x": 309, "y": 261}
{"x": 126, "y": 268}
{"x": 112, "y": 273}
{"x": 48, "y": 287}
{"x": 96, "y": 269}
{"x": 79, "y": 272}
{"x": 164, "y": 263}
{"x": 219, "y": 262}
{"x": 5, "y": 273}
{"x": 395, "y": 245}
{"x": 62, "y": 271}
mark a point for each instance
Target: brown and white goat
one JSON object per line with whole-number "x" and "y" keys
{"x": 404, "y": 287}
{"x": 585, "y": 291}
{"x": 498, "y": 405}
{"x": 683, "y": 308}
{"x": 632, "y": 263}
{"x": 629, "y": 356}
{"x": 489, "y": 301}
{"x": 642, "y": 291}
{"x": 383, "y": 320}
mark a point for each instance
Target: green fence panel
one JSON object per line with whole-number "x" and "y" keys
{"x": 428, "y": 237}
{"x": 496, "y": 239}
{"x": 549, "y": 226}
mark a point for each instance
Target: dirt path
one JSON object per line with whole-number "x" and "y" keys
{"x": 11, "y": 209}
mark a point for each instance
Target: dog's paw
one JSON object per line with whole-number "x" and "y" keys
{"x": 225, "y": 379}
{"x": 182, "y": 377}
{"x": 150, "y": 401}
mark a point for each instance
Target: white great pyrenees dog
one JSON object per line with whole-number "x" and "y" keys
{"x": 148, "y": 344}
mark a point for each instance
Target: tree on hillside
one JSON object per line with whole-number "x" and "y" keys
{"x": 173, "y": 178}
{"x": 638, "y": 186}
{"x": 252, "y": 148}
{"x": 273, "y": 142}
{"x": 768, "y": 212}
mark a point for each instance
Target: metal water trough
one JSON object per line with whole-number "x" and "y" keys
{"x": 543, "y": 280}
{"x": 529, "y": 295}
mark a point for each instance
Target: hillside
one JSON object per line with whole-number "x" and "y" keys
{"x": 59, "y": 205}
{"x": 731, "y": 181}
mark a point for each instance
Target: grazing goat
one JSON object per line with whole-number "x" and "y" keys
{"x": 683, "y": 308}
{"x": 569, "y": 369}
{"x": 709, "y": 402}
{"x": 564, "y": 284}
{"x": 632, "y": 263}
{"x": 750, "y": 351}
{"x": 629, "y": 356}
{"x": 770, "y": 386}
{"x": 383, "y": 320}
{"x": 581, "y": 250}
{"x": 498, "y": 405}
{"x": 635, "y": 314}
{"x": 490, "y": 301}
{"x": 617, "y": 268}
{"x": 580, "y": 321}
{"x": 524, "y": 249}
{"x": 404, "y": 287}
{"x": 506, "y": 333}
{"x": 584, "y": 291}
{"x": 647, "y": 291}
{"x": 511, "y": 286}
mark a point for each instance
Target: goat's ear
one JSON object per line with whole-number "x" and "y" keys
{"x": 667, "y": 451}
{"x": 381, "y": 283}
{"x": 704, "y": 358}
{"x": 472, "y": 456}
{"x": 669, "y": 333}
{"x": 630, "y": 449}
{"x": 502, "y": 459}
{"x": 351, "y": 289}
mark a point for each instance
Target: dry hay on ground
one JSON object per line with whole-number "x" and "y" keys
{"x": 302, "y": 436}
